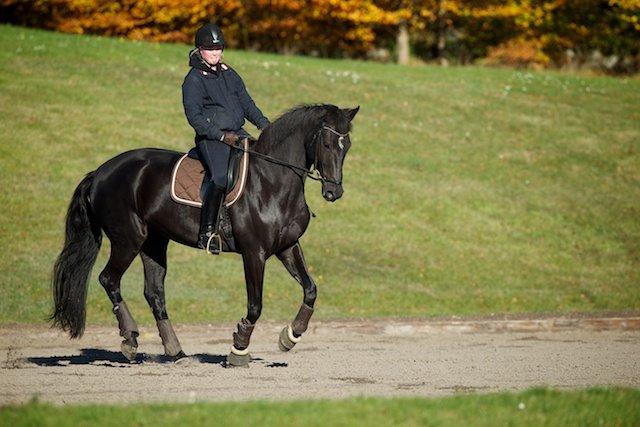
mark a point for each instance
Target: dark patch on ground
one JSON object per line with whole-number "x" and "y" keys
{"x": 355, "y": 380}
{"x": 463, "y": 388}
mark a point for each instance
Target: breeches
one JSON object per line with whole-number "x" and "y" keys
{"x": 215, "y": 157}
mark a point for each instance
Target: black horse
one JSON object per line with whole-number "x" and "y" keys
{"x": 128, "y": 198}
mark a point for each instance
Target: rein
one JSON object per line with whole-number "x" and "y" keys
{"x": 312, "y": 173}
{"x": 308, "y": 172}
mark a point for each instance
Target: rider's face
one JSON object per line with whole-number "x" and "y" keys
{"x": 211, "y": 56}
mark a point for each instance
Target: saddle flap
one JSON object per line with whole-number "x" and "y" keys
{"x": 188, "y": 173}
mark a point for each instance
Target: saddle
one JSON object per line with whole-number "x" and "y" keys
{"x": 188, "y": 175}
{"x": 186, "y": 185}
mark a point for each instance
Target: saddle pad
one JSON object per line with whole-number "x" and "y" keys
{"x": 187, "y": 176}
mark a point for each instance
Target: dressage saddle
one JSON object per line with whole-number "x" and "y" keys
{"x": 188, "y": 175}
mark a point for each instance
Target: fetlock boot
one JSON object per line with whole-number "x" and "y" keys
{"x": 208, "y": 237}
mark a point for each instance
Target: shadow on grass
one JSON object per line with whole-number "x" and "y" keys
{"x": 100, "y": 357}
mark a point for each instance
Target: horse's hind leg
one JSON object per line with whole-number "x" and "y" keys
{"x": 154, "y": 260}
{"x": 122, "y": 254}
{"x": 293, "y": 260}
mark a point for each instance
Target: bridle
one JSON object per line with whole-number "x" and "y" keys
{"x": 314, "y": 168}
{"x": 312, "y": 173}
{"x": 341, "y": 136}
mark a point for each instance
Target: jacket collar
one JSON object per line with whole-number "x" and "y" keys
{"x": 196, "y": 61}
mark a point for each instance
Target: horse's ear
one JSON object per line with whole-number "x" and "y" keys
{"x": 351, "y": 113}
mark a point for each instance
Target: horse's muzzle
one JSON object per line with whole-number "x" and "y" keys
{"x": 332, "y": 192}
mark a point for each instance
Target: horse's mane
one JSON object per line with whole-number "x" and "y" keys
{"x": 301, "y": 116}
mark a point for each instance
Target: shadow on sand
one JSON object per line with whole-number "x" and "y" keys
{"x": 100, "y": 357}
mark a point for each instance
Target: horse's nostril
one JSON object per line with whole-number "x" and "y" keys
{"x": 329, "y": 195}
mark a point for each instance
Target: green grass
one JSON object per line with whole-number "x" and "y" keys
{"x": 467, "y": 190}
{"x": 601, "y": 407}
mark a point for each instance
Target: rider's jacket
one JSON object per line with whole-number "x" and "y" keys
{"x": 216, "y": 100}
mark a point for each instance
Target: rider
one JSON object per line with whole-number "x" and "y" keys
{"x": 216, "y": 103}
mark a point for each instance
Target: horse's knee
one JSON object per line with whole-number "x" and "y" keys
{"x": 310, "y": 294}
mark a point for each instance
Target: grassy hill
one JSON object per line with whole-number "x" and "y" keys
{"x": 467, "y": 190}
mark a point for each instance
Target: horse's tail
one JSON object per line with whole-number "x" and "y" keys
{"x": 74, "y": 264}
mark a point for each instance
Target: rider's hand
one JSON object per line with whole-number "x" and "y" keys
{"x": 230, "y": 138}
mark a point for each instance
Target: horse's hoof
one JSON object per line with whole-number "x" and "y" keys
{"x": 287, "y": 340}
{"x": 129, "y": 351}
{"x": 235, "y": 360}
{"x": 180, "y": 357}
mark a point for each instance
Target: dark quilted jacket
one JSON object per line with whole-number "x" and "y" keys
{"x": 216, "y": 100}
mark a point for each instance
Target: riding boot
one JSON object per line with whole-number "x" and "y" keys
{"x": 208, "y": 237}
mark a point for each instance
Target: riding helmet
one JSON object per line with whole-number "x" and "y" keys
{"x": 210, "y": 37}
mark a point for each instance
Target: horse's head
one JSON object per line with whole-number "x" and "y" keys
{"x": 332, "y": 143}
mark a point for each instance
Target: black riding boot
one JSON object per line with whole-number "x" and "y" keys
{"x": 208, "y": 238}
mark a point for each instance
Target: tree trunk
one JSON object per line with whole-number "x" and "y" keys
{"x": 403, "y": 43}
{"x": 441, "y": 26}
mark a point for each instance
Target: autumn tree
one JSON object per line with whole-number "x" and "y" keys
{"x": 515, "y": 32}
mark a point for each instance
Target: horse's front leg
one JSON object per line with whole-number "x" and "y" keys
{"x": 254, "y": 276}
{"x": 293, "y": 260}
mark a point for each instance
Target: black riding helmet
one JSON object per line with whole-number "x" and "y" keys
{"x": 210, "y": 37}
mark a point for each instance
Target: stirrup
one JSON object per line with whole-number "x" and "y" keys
{"x": 208, "y": 247}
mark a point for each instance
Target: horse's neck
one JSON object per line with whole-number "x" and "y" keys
{"x": 293, "y": 150}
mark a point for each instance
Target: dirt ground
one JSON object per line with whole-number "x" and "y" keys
{"x": 333, "y": 360}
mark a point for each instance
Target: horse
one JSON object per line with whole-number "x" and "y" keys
{"x": 128, "y": 199}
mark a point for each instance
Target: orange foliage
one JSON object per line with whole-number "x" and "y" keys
{"x": 328, "y": 27}
{"x": 511, "y": 31}
{"x": 519, "y": 53}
